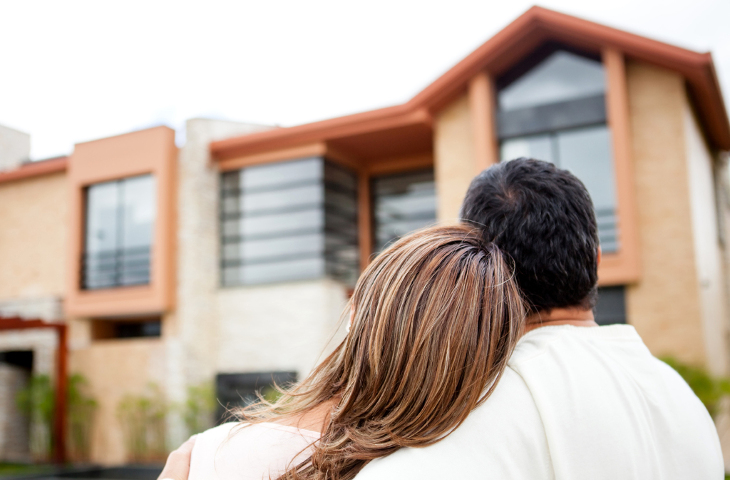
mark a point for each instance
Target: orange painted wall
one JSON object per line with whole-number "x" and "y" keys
{"x": 150, "y": 151}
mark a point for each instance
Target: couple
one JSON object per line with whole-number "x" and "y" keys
{"x": 472, "y": 353}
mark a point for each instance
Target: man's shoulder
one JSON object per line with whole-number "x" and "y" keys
{"x": 504, "y": 436}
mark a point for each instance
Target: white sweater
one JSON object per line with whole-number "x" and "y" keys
{"x": 575, "y": 403}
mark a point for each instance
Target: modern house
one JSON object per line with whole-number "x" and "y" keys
{"x": 235, "y": 253}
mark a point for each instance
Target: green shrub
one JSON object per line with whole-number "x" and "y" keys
{"x": 199, "y": 408}
{"x": 708, "y": 388}
{"x": 143, "y": 420}
{"x": 36, "y": 401}
{"x": 81, "y": 409}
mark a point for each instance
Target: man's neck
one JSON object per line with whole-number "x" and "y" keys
{"x": 560, "y": 316}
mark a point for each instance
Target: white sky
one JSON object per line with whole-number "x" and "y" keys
{"x": 72, "y": 71}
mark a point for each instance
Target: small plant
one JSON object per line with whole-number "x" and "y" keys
{"x": 81, "y": 408}
{"x": 198, "y": 408}
{"x": 709, "y": 389}
{"x": 143, "y": 419}
{"x": 36, "y": 402}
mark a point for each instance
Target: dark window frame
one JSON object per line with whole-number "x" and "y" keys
{"x": 119, "y": 259}
{"x": 338, "y": 224}
{"x": 373, "y": 192}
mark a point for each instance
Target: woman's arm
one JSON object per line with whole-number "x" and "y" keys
{"x": 177, "y": 466}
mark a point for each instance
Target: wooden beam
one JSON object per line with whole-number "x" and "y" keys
{"x": 482, "y": 107}
{"x": 60, "y": 414}
{"x": 624, "y": 266}
{"x": 364, "y": 221}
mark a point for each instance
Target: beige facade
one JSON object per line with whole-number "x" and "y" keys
{"x": 114, "y": 369}
{"x": 33, "y": 238}
{"x": 664, "y": 308}
{"x": 454, "y": 157}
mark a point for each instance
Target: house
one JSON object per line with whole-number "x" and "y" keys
{"x": 235, "y": 253}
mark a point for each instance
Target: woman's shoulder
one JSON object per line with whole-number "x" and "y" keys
{"x": 243, "y": 451}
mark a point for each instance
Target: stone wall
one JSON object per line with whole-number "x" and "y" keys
{"x": 14, "y": 148}
{"x": 14, "y": 427}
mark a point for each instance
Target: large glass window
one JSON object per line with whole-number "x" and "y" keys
{"x": 556, "y": 112}
{"x": 292, "y": 220}
{"x": 402, "y": 203}
{"x": 120, "y": 218}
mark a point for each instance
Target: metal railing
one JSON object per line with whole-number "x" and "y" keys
{"x": 116, "y": 268}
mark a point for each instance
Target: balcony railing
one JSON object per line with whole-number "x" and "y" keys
{"x": 116, "y": 268}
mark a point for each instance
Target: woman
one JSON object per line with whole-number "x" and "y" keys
{"x": 434, "y": 319}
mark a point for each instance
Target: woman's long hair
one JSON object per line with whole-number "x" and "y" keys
{"x": 436, "y": 317}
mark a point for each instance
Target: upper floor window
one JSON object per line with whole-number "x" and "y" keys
{"x": 555, "y": 110}
{"x": 120, "y": 219}
{"x": 402, "y": 203}
{"x": 287, "y": 221}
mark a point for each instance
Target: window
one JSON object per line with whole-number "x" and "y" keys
{"x": 557, "y": 112}
{"x": 402, "y": 203}
{"x": 128, "y": 328}
{"x": 120, "y": 218}
{"x": 288, "y": 221}
{"x": 611, "y": 305}
{"x": 240, "y": 389}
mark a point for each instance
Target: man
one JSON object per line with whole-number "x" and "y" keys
{"x": 577, "y": 401}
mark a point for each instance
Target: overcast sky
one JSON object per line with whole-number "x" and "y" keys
{"x": 72, "y": 71}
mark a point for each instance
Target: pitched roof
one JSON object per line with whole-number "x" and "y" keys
{"x": 532, "y": 29}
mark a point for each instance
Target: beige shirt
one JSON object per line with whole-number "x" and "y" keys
{"x": 233, "y": 451}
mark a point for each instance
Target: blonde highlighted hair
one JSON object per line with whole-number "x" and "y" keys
{"x": 436, "y": 317}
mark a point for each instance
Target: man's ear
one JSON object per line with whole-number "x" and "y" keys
{"x": 598, "y": 259}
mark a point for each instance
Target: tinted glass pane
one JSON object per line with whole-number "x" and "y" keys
{"x": 587, "y": 154}
{"x": 536, "y": 146}
{"x": 284, "y": 199}
{"x": 277, "y": 221}
{"x": 560, "y": 77}
{"x": 138, "y": 197}
{"x": 402, "y": 203}
{"x": 273, "y": 248}
{"x": 269, "y": 226}
{"x": 278, "y": 174}
{"x": 290, "y": 270}
{"x": 102, "y": 217}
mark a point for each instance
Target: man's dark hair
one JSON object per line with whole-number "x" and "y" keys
{"x": 543, "y": 217}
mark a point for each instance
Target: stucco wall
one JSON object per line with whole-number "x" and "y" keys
{"x": 33, "y": 213}
{"x": 708, "y": 253}
{"x": 664, "y": 305}
{"x": 284, "y": 326}
{"x": 454, "y": 158}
